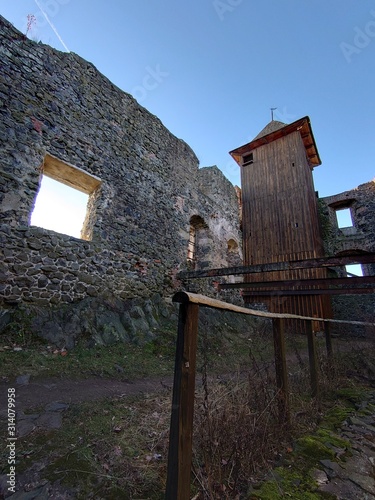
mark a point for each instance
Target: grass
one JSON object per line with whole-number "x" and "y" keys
{"x": 21, "y": 354}
{"x": 114, "y": 448}
{"x": 117, "y": 448}
{"x": 117, "y": 361}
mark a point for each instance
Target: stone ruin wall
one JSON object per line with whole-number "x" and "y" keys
{"x": 151, "y": 186}
{"x": 360, "y": 237}
{"x": 57, "y": 105}
{"x": 137, "y": 228}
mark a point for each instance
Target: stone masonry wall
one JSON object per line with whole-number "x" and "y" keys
{"x": 358, "y": 238}
{"x": 136, "y": 233}
{"x": 113, "y": 284}
{"x": 55, "y": 103}
{"x": 361, "y": 202}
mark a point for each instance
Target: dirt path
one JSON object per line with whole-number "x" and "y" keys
{"x": 39, "y": 392}
{"x": 349, "y": 480}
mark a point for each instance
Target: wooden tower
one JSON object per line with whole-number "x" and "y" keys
{"x": 279, "y": 211}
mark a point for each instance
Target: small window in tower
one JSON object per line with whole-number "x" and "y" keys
{"x": 247, "y": 159}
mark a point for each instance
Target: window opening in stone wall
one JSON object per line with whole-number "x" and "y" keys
{"x": 353, "y": 270}
{"x": 191, "y": 245}
{"x": 233, "y": 256}
{"x": 61, "y": 204}
{"x": 59, "y": 208}
{"x": 197, "y": 224}
{"x": 344, "y": 217}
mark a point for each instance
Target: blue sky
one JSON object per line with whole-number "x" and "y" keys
{"x": 212, "y": 69}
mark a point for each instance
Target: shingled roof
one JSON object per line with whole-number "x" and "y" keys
{"x": 271, "y": 127}
{"x": 274, "y": 131}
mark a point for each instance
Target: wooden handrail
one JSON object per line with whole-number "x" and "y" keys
{"x": 182, "y": 414}
{"x": 202, "y": 300}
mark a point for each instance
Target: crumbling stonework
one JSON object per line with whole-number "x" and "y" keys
{"x": 150, "y": 187}
{"x": 56, "y": 107}
{"x": 360, "y": 237}
{"x": 151, "y": 211}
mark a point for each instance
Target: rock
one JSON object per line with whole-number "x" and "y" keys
{"x": 40, "y": 493}
{"x": 320, "y": 477}
{"x": 343, "y": 490}
{"x": 365, "y": 482}
{"x": 333, "y": 469}
{"x": 23, "y": 379}
{"x": 25, "y": 427}
{"x": 49, "y": 420}
{"x": 56, "y": 406}
{"x": 3, "y": 485}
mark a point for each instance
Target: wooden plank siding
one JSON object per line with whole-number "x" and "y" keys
{"x": 280, "y": 221}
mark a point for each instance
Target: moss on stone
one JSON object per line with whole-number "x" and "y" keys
{"x": 287, "y": 483}
{"x": 332, "y": 439}
{"x": 312, "y": 449}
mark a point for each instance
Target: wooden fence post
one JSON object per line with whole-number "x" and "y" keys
{"x": 181, "y": 427}
{"x": 313, "y": 359}
{"x": 327, "y": 330}
{"x": 281, "y": 371}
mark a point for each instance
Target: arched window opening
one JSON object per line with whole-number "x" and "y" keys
{"x": 191, "y": 244}
{"x": 197, "y": 228}
{"x": 233, "y": 253}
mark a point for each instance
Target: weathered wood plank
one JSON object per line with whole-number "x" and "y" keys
{"x": 313, "y": 360}
{"x": 316, "y": 282}
{"x": 321, "y": 291}
{"x": 324, "y": 262}
{"x": 281, "y": 370}
{"x": 181, "y": 427}
{"x": 195, "y": 298}
{"x": 327, "y": 331}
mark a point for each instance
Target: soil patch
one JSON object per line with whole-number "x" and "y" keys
{"x": 43, "y": 391}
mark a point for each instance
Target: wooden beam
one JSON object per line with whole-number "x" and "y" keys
{"x": 368, "y": 258}
{"x": 322, "y": 291}
{"x": 327, "y": 331}
{"x": 181, "y": 427}
{"x": 313, "y": 360}
{"x": 281, "y": 370}
{"x": 316, "y": 282}
{"x": 195, "y": 298}
{"x": 69, "y": 175}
